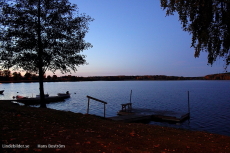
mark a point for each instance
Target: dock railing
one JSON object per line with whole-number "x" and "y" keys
{"x": 89, "y": 97}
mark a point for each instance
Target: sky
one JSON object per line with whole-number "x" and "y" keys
{"x": 135, "y": 37}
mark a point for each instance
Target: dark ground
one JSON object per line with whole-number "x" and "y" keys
{"x": 89, "y": 134}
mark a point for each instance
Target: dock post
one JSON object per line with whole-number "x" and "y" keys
{"x": 130, "y": 96}
{"x": 104, "y": 110}
{"x": 188, "y": 104}
{"x": 130, "y": 99}
{"x": 88, "y": 106}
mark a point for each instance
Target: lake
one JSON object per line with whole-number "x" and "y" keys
{"x": 209, "y": 100}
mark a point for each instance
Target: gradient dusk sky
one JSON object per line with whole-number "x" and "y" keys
{"x": 134, "y": 37}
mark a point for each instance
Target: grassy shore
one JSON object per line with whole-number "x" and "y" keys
{"x": 75, "y": 133}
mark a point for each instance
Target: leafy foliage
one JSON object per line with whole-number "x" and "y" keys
{"x": 209, "y": 23}
{"x": 5, "y": 73}
{"x": 62, "y": 35}
{"x": 40, "y": 35}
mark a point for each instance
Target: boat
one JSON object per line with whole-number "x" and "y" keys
{"x": 18, "y": 97}
{"x": 1, "y": 91}
{"x": 65, "y": 95}
{"x": 46, "y": 95}
{"x": 48, "y": 99}
{"x": 36, "y": 101}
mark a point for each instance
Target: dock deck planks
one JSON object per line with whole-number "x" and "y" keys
{"x": 138, "y": 115}
{"x": 131, "y": 118}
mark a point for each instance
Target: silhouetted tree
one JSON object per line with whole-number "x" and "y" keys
{"x": 17, "y": 76}
{"x": 41, "y": 35}
{"x": 54, "y": 77}
{"x": 209, "y": 23}
{"x": 7, "y": 73}
{"x": 48, "y": 77}
{"x": 34, "y": 77}
{"x": 27, "y": 75}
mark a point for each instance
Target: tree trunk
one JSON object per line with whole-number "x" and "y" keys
{"x": 41, "y": 88}
{"x": 40, "y": 64}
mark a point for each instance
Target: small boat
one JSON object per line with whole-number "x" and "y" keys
{"x": 1, "y": 91}
{"x": 48, "y": 99}
{"x": 64, "y": 95}
{"x": 46, "y": 95}
{"x": 36, "y": 101}
{"x": 18, "y": 97}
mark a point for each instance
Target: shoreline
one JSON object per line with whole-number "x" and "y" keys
{"x": 88, "y": 133}
{"x": 34, "y": 81}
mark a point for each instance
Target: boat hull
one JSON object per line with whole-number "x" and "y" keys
{"x": 1, "y": 91}
{"x": 63, "y": 95}
{"x": 36, "y": 101}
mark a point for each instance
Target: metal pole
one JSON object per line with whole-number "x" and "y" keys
{"x": 88, "y": 107}
{"x": 104, "y": 110}
{"x": 188, "y": 104}
{"x": 130, "y": 96}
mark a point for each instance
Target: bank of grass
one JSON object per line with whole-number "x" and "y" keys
{"x": 89, "y": 134}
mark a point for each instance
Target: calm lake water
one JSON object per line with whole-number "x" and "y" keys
{"x": 209, "y": 100}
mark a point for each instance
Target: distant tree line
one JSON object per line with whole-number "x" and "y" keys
{"x": 8, "y": 76}
{"x": 221, "y": 76}
{"x": 145, "y": 77}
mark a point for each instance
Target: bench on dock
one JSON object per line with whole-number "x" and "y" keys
{"x": 128, "y": 109}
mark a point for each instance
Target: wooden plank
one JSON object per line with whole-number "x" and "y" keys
{"x": 131, "y": 118}
{"x": 96, "y": 99}
{"x": 160, "y": 117}
{"x": 126, "y": 104}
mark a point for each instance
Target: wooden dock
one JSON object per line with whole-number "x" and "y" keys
{"x": 131, "y": 118}
{"x": 128, "y": 114}
{"x": 143, "y": 115}
{"x": 170, "y": 118}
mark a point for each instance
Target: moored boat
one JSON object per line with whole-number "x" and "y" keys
{"x": 36, "y": 101}
{"x": 1, "y": 91}
{"x": 18, "y": 97}
{"x": 48, "y": 99}
{"x": 46, "y": 95}
{"x": 65, "y": 95}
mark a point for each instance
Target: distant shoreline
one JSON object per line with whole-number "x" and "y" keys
{"x": 36, "y": 81}
{"x": 69, "y": 78}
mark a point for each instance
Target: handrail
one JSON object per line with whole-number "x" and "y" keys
{"x": 89, "y": 97}
{"x": 96, "y": 99}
